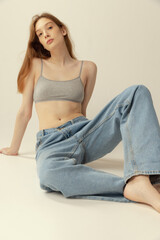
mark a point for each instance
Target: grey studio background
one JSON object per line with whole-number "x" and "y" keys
{"x": 122, "y": 37}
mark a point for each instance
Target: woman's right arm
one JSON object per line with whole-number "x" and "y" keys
{"x": 24, "y": 114}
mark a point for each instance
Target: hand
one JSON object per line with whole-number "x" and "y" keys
{"x": 8, "y": 151}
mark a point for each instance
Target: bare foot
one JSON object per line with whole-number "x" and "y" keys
{"x": 140, "y": 189}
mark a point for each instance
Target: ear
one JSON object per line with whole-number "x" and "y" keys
{"x": 64, "y": 32}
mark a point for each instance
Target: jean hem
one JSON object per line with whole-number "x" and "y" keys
{"x": 102, "y": 198}
{"x": 151, "y": 172}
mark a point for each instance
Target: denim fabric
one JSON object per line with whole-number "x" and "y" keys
{"x": 61, "y": 152}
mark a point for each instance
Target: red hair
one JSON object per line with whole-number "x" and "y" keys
{"x": 36, "y": 49}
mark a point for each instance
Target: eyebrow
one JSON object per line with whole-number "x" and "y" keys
{"x": 44, "y": 25}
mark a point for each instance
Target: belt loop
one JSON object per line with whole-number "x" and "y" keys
{"x": 43, "y": 132}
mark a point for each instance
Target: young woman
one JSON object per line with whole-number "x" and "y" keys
{"x": 61, "y": 87}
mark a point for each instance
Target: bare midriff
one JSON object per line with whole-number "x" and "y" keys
{"x": 52, "y": 114}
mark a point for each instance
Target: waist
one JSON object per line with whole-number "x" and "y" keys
{"x": 46, "y": 122}
{"x": 42, "y": 132}
{"x": 54, "y": 113}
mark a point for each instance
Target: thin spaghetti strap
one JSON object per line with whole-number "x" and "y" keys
{"x": 41, "y": 66}
{"x": 81, "y": 68}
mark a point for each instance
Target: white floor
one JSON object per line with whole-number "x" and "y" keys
{"x": 27, "y": 212}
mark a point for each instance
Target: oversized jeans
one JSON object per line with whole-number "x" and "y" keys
{"x": 61, "y": 152}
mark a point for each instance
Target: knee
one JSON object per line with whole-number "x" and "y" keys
{"x": 43, "y": 179}
{"x": 44, "y": 187}
{"x": 46, "y": 182}
{"x": 143, "y": 87}
{"x": 136, "y": 90}
{"x": 139, "y": 88}
{"x": 144, "y": 90}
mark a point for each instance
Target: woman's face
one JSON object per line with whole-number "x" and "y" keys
{"x": 46, "y": 29}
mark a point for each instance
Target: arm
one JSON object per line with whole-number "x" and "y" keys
{"x": 19, "y": 130}
{"x": 91, "y": 79}
{"x": 23, "y": 116}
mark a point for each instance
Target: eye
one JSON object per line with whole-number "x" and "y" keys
{"x": 41, "y": 33}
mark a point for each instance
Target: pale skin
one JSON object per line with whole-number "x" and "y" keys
{"x": 61, "y": 66}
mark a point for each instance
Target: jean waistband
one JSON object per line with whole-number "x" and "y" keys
{"x": 70, "y": 122}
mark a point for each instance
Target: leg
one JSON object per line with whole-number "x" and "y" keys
{"x": 130, "y": 116}
{"x": 58, "y": 171}
{"x": 79, "y": 181}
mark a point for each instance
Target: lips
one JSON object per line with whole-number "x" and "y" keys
{"x": 49, "y": 41}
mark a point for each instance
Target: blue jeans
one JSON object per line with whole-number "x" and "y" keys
{"x": 61, "y": 152}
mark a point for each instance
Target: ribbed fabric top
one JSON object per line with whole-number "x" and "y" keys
{"x": 68, "y": 90}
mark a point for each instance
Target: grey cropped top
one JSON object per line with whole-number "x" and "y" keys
{"x": 68, "y": 90}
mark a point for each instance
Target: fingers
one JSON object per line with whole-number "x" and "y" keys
{"x": 8, "y": 151}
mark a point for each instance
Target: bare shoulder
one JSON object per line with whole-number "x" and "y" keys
{"x": 36, "y": 66}
{"x": 90, "y": 64}
{"x": 91, "y": 69}
{"x": 36, "y": 62}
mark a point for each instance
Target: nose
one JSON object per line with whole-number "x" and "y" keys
{"x": 46, "y": 34}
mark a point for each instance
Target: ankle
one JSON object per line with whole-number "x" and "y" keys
{"x": 138, "y": 178}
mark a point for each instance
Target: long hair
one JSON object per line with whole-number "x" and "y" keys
{"x": 36, "y": 49}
